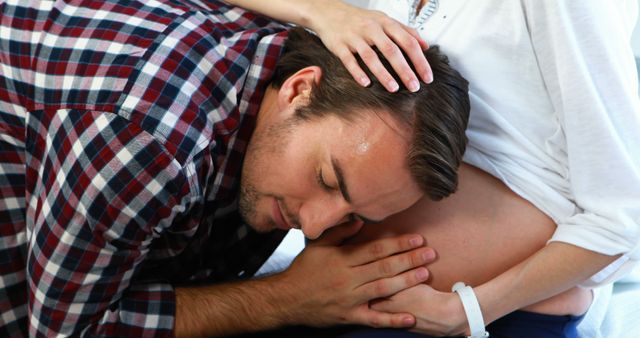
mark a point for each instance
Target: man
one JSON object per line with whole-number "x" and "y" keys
{"x": 152, "y": 153}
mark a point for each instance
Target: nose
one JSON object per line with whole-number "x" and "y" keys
{"x": 317, "y": 216}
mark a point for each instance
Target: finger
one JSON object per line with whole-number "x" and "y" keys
{"x": 423, "y": 44}
{"x": 338, "y": 234}
{"x": 393, "y": 265}
{"x": 361, "y": 254}
{"x": 372, "y": 61}
{"x": 390, "y": 286}
{"x": 383, "y": 305}
{"x": 353, "y": 67}
{"x": 369, "y": 317}
{"x": 408, "y": 43}
{"x": 397, "y": 60}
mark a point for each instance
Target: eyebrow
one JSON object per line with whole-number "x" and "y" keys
{"x": 345, "y": 191}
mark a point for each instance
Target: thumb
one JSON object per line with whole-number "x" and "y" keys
{"x": 339, "y": 233}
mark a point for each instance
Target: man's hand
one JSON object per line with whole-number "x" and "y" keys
{"x": 331, "y": 284}
{"x": 328, "y": 284}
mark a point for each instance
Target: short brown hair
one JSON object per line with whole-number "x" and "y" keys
{"x": 437, "y": 113}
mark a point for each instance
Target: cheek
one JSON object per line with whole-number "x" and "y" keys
{"x": 295, "y": 169}
{"x": 287, "y": 172}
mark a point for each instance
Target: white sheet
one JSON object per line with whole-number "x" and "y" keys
{"x": 290, "y": 247}
{"x": 615, "y": 313}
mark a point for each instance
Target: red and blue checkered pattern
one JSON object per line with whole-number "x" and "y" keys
{"x": 122, "y": 130}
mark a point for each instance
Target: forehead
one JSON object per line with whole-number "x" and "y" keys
{"x": 372, "y": 153}
{"x": 367, "y": 128}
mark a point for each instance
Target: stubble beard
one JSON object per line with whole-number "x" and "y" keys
{"x": 248, "y": 200}
{"x": 260, "y": 149}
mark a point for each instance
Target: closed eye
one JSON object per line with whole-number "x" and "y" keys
{"x": 321, "y": 182}
{"x": 356, "y": 217}
{"x": 352, "y": 217}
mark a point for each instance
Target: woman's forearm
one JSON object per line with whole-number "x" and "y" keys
{"x": 555, "y": 268}
{"x": 294, "y": 11}
{"x": 313, "y": 14}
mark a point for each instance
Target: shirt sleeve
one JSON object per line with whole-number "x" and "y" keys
{"x": 99, "y": 190}
{"x": 584, "y": 53}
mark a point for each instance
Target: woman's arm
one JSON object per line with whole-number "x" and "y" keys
{"x": 554, "y": 269}
{"x": 347, "y": 30}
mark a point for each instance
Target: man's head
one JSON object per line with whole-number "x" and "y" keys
{"x": 326, "y": 150}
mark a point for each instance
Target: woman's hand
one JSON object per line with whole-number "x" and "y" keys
{"x": 346, "y": 30}
{"x": 437, "y": 313}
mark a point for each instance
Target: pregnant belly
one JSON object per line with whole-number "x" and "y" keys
{"x": 479, "y": 232}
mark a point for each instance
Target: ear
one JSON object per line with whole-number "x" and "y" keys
{"x": 296, "y": 89}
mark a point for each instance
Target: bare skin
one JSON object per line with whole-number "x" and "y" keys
{"x": 478, "y": 233}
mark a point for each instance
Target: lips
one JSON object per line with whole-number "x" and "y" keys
{"x": 278, "y": 217}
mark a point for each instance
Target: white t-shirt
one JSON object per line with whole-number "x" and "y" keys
{"x": 555, "y": 112}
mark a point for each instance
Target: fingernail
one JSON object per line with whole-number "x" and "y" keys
{"x": 364, "y": 81}
{"x": 422, "y": 274}
{"x": 416, "y": 240}
{"x": 414, "y": 86}
{"x": 427, "y": 255}
{"x": 428, "y": 77}
{"x": 393, "y": 86}
{"x": 408, "y": 321}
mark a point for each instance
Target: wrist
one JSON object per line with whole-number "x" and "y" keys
{"x": 319, "y": 14}
{"x": 288, "y": 300}
{"x": 475, "y": 327}
{"x": 458, "y": 324}
{"x": 307, "y": 14}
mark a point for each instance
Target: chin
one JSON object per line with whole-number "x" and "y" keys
{"x": 258, "y": 225}
{"x": 261, "y": 228}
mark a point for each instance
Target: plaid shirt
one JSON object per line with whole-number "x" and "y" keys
{"x": 123, "y": 126}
